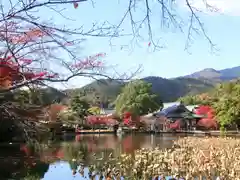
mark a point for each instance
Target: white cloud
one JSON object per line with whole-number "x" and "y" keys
{"x": 228, "y": 7}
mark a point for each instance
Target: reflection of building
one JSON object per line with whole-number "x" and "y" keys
{"x": 98, "y": 142}
{"x": 148, "y": 142}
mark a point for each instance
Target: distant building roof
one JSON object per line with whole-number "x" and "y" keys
{"x": 107, "y": 111}
{"x": 169, "y": 104}
{"x": 175, "y": 111}
{"x": 191, "y": 107}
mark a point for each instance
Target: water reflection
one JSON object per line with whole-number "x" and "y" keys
{"x": 67, "y": 158}
{"x": 15, "y": 164}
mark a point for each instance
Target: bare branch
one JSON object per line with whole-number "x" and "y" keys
{"x": 24, "y": 35}
{"x": 166, "y": 11}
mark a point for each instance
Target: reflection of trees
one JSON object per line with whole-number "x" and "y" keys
{"x": 80, "y": 152}
{"x": 31, "y": 177}
{"x": 33, "y": 163}
{"x": 37, "y": 171}
{"x": 76, "y": 151}
{"x": 8, "y": 126}
{"x": 110, "y": 144}
{"x": 104, "y": 148}
{"x": 20, "y": 164}
{"x": 95, "y": 143}
{"x": 130, "y": 143}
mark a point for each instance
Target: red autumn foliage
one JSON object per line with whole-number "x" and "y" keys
{"x": 126, "y": 121}
{"x": 53, "y": 110}
{"x": 29, "y": 35}
{"x": 94, "y": 120}
{"x": 26, "y": 64}
{"x": 130, "y": 120}
{"x": 209, "y": 121}
{"x": 25, "y": 61}
{"x": 75, "y": 5}
{"x": 127, "y": 115}
{"x": 59, "y": 154}
{"x": 101, "y": 120}
{"x": 17, "y": 69}
{"x": 128, "y": 144}
{"x": 89, "y": 62}
{"x": 15, "y": 65}
{"x": 176, "y": 125}
{"x": 127, "y": 118}
{"x": 26, "y": 150}
{"x": 203, "y": 110}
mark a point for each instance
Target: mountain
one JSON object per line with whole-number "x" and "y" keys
{"x": 207, "y": 73}
{"x": 230, "y": 73}
{"x": 51, "y": 95}
{"x": 216, "y": 75}
{"x": 169, "y": 90}
{"x": 104, "y": 90}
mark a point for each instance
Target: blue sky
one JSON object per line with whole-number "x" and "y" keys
{"x": 171, "y": 61}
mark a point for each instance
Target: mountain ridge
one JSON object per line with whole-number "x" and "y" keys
{"x": 169, "y": 90}
{"x": 221, "y": 75}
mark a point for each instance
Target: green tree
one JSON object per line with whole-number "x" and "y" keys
{"x": 68, "y": 117}
{"x": 94, "y": 110}
{"x": 195, "y": 100}
{"x": 80, "y": 106}
{"x": 22, "y": 97}
{"x": 34, "y": 96}
{"x": 225, "y": 100}
{"x": 227, "y": 103}
{"x": 189, "y": 100}
{"x": 137, "y": 98}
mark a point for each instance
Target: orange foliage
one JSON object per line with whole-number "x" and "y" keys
{"x": 28, "y": 36}
{"x": 6, "y": 82}
{"x": 17, "y": 65}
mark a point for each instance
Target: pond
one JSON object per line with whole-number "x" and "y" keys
{"x": 61, "y": 159}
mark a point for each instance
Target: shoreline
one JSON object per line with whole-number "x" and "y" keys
{"x": 197, "y": 132}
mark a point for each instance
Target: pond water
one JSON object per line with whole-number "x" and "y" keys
{"x": 60, "y": 159}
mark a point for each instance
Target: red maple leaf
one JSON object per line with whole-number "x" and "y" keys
{"x": 75, "y": 4}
